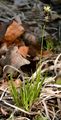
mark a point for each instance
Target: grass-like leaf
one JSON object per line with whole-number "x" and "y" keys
{"x": 28, "y": 92}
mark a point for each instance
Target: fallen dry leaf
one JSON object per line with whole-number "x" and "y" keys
{"x": 14, "y": 59}
{"x": 3, "y": 48}
{"x": 19, "y": 42}
{"x": 4, "y": 84}
{"x": 13, "y": 31}
{"x": 30, "y": 39}
{"x": 46, "y": 53}
{"x": 3, "y": 111}
{"x": 23, "y": 51}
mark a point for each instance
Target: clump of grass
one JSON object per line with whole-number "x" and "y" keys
{"x": 28, "y": 92}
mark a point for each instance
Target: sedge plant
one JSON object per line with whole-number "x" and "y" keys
{"x": 28, "y": 92}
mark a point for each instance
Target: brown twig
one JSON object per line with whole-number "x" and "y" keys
{"x": 17, "y": 108}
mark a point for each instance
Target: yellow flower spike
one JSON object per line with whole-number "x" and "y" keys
{"x": 47, "y": 9}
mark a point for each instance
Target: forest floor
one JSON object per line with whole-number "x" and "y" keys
{"x": 30, "y": 60}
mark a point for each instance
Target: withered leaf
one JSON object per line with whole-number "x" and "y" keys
{"x": 3, "y": 111}
{"x": 13, "y": 31}
{"x": 23, "y": 50}
{"x": 14, "y": 58}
